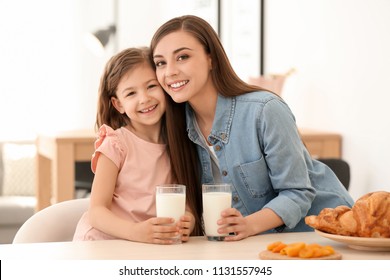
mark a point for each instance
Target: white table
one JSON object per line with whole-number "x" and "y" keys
{"x": 197, "y": 248}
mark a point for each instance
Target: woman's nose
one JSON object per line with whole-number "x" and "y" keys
{"x": 171, "y": 70}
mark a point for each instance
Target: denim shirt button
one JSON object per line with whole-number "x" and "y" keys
{"x": 223, "y": 136}
{"x": 235, "y": 198}
{"x": 224, "y": 173}
{"x": 218, "y": 148}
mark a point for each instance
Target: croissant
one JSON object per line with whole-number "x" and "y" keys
{"x": 368, "y": 217}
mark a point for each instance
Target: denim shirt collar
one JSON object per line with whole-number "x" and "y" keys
{"x": 222, "y": 121}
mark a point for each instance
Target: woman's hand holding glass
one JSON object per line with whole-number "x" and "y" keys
{"x": 243, "y": 227}
{"x": 232, "y": 221}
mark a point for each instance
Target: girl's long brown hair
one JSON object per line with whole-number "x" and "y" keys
{"x": 182, "y": 153}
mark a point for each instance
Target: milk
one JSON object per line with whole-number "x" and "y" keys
{"x": 213, "y": 204}
{"x": 170, "y": 205}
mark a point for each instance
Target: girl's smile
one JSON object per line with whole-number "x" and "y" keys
{"x": 147, "y": 110}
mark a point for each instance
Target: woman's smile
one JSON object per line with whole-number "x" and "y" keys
{"x": 178, "y": 85}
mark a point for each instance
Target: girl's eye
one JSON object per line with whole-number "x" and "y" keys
{"x": 151, "y": 86}
{"x": 130, "y": 93}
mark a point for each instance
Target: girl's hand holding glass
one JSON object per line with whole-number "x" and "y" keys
{"x": 186, "y": 225}
{"x": 156, "y": 230}
{"x": 164, "y": 230}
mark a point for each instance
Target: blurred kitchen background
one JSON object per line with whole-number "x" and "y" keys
{"x": 338, "y": 50}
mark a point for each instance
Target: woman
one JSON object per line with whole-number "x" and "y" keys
{"x": 245, "y": 136}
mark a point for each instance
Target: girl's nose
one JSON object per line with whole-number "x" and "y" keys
{"x": 144, "y": 97}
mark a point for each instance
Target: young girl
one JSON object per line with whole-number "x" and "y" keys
{"x": 139, "y": 146}
{"x": 245, "y": 136}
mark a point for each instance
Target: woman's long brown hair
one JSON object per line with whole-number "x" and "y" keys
{"x": 184, "y": 159}
{"x": 182, "y": 153}
{"x": 225, "y": 79}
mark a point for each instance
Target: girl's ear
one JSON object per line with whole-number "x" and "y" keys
{"x": 117, "y": 104}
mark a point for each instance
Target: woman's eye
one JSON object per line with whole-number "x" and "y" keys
{"x": 130, "y": 93}
{"x": 182, "y": 57}
{"x": 159, "y": 63}
{"x": 151, "y": 86}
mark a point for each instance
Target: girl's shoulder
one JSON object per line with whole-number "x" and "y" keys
{"x": 111, "y": 143}
{"x": 108, "y": 133}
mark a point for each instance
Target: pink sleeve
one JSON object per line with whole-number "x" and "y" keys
{"x": 109, "y": 144}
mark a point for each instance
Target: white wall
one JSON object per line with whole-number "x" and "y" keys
{"x": 49, "y": 79}
{"x": 138, "y": 20}
{"x": 340, "y": 49}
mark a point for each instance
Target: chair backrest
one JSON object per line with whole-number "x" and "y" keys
{"x": 84, "y": 178}
{"x": 341, "y": 168}
{"x": 55, "y": 223}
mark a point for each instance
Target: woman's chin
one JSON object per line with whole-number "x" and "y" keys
{"x": 178, "y": 98}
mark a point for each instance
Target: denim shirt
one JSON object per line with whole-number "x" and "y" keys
{"x": 261, "y": 154}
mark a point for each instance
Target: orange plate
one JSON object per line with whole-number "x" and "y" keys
{"x": 268, "y": 255}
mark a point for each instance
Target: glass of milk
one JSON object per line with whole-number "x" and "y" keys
{"x": 171, "y": 203}
{"x": 216, "y": 198}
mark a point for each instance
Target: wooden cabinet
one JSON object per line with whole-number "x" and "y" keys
{"x": 322, "y": 144}
{"x": 56, "y": 157}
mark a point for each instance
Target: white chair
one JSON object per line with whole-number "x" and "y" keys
{"x": 17, "y": 200}
{"x": 55, "y": 223}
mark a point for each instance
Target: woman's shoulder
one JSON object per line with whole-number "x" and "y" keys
{"x": 263, "y": 103}
{"x": 258, "y": 96}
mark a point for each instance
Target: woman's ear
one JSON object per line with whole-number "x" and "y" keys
{"x": 210, "y": 61}
{"x": 117, "y": 105}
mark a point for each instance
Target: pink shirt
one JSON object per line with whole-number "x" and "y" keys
{"x": 142, "y": 166}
